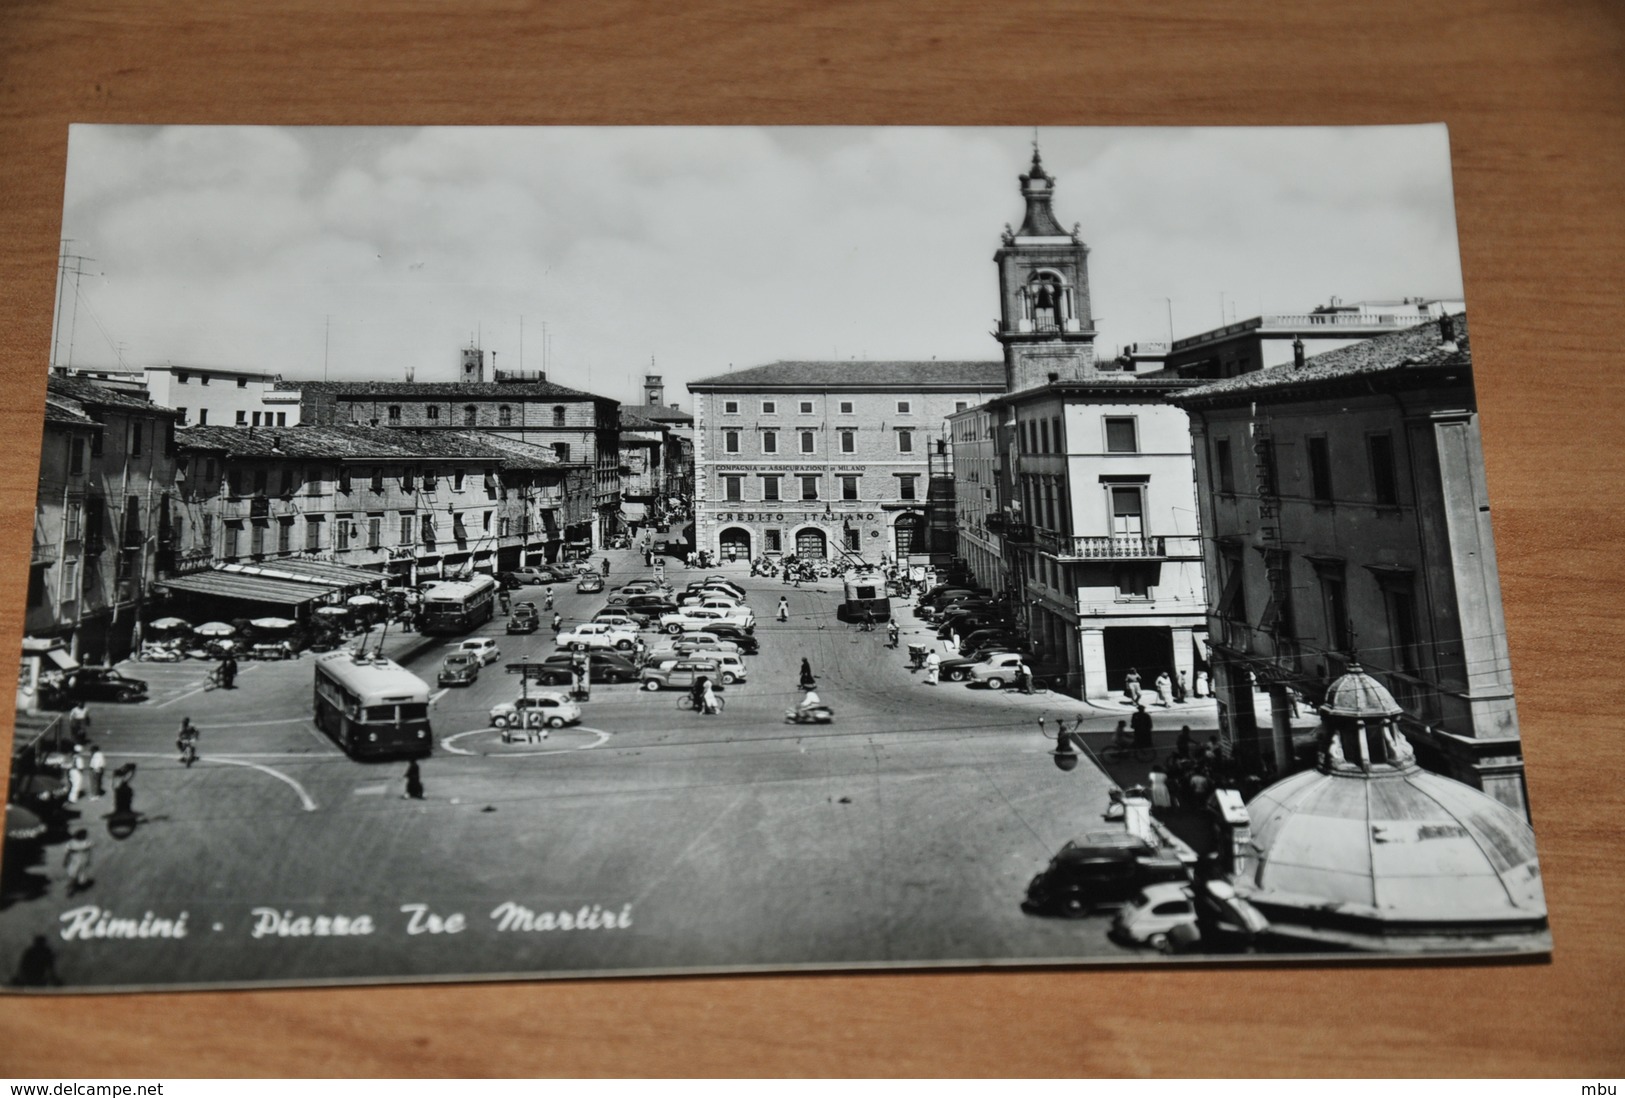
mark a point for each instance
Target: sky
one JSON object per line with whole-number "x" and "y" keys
{"x": 365, "y": 253}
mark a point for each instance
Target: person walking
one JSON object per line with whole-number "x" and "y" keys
{"x": 1131, "y": 686}
{"x": 1141, "y": 723}
{"x": 77, "y": 861}
{"x": 549, "y": 597}
{"x": 933, "y": 667}
{"x": 1024, "y": 677}
{"x": 558, "y": 623}
{"x": 124, "y": 791}
{"x": 606, "y": 567}
{"x": 98, "y": 772}
{"x": 784, "y": 608}
{"x": 1181, "y": 691}
{"x": 1165, "y": 690}
{"x": 1201, "y": 684}
{"x": 1162, "y": 798}
{"x": 708, "y": 698}
{"x": 891, "y": 634}
{"x": 76, "y": 775}
{"x": 79, "y": 721}
{"x": 414, "y": 782}
{"x": 1182, "y": 746}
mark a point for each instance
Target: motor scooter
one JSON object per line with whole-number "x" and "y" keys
{"x": 813, "y": 714}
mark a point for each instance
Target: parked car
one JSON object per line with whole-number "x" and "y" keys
{"x": 618, "y": 617}
{"x": 588, "y": 585}
{"x": 1004, "y": 637}
{"x": 957, "y": 668}
{"x": 507, "y": 581}
{"x": 745, "y": 642}
{"x": 965, "y": 624}
{"x": 1153, "y": 914}
{"x": 1225, "y": 922}
{"x": 104, "y": 684}
{"x": 649, "y": 607}
{"x": 524, "y": 619}
{"x": 483, "y": 648}
{"x": 721, "y": 587}
{"x": 460, "y": 669}
{"x": 679, "y": 674}
{"x": 598, "y": 634}
{"x": 701, "y": 617}
{"x": 684, "y": 644}
{"x": 543, "y": 708}
{"x": 1103, "y": 869}
{"x": 602, "y": 667}
{"x": 995, "y": 671}
{"x": 636, "y": 587}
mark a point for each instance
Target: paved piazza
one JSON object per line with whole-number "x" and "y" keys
{"x": 647, "y": 838}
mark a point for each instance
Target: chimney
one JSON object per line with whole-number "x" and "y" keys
{"x": 1297, "y": 353}
{"x": 1447, "y": 331}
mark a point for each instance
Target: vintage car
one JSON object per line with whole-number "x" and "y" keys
{"x": 679, "y": 674}
{"x": 1103, "y": 869}
{"x": 588, "y": 585}
{"x": 601, "y": 667}
{"x": 103, "y": 684}
{"x": 482, "y": 648}
{"x": 545, "y": 708}
{"x": 524, "y": 619}
{"x": 459, "y": 669}
{"x": 689, "y": 618}
{"x": 598, "y": 635}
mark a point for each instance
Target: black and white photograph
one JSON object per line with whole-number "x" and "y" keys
{"x": 519, "y": 553}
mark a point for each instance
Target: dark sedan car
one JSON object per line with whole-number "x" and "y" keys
{"x": 104, "y": 684}
{"x": 647, "y": 606}
{"x": 605, "y": 667}
{"x": 1102, "y": 870}
{"x": 1007, "y": 640}
{"x": 747, "y": 644}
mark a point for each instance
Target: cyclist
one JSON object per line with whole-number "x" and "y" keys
{"x": 696, "y": 692}
{"x": 186, "y": 742}
{"x": 891, "y": 633}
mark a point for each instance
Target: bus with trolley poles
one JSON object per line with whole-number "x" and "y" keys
{"x": 456, "y": 606}
{"x": 865, "y": 595}
{"x": 371, "y": 705}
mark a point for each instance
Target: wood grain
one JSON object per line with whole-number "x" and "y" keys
{"x": 1533, "y": 92}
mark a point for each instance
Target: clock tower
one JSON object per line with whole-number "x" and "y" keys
{"x": 1046, "y": 327}
{"x": 473, "y": 365}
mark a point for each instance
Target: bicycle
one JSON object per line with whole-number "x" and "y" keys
{"x": 685, "y": 701}
{"x": 188, "y": 748}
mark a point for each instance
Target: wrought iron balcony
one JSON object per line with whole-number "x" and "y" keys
{"x": 1108, "y": 547}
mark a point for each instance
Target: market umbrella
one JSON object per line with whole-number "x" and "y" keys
{"x": 171, "y": 623}
{"x": 214, "y": 629}
{"x": 21, "y": 823}
{"x": 361, "y": 600}
{"x": 273, "y": 623}
{"x": 331, "y": 611}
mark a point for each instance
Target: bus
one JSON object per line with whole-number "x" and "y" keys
{"x": 372, "y": 705}
{"x": 456, "y": 606}
{"x": 865, "y": 592}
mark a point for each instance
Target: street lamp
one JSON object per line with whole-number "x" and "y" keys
{"x": 1065, "y": 753}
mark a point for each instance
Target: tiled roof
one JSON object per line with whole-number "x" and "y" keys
{"x": 340, "y": 442}
{"x": 631, "y": 421}
{"x": 408, "y": 390}
{"x": 657, "y": 412}
{"x": 59, "y": 409}
{"x": 986, "y": 375}
{"x": 1412, "y": 349}
{"x": 89, "y": 394}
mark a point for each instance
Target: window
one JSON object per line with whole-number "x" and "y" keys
{"x": 558, "y": 415}
{"x": 730, "y": 442}
{"x": 76, "y": 456}
{"x": 202, "y": 417}
{"x": 905, "y": 442}
{"x": 406, "y": 528}
{"x": 242, "y": 418}
{"x": 1384, "y": 484}
{"x": 394, "y": 415}
{"x": 806, "y": 408}
{"x": 262, "y": 479}
{"x": 846, "y": 407}
{"x": 809, "y": 487}
{"x": 849, "y": 442}
{"x": 770, "y": 442}
{"x": 341, "y": 532}
{"x": 457, "y": 478}
{"x": 282, "y": 419}
{"x": 850, "y": 538}
{"x": 203, "y": 379}
{"x": 849, "y": 487}
{"x": 905, "y": 487}
{"x": 471, "y": 415}
{"x": 430, "y": 479}
{"x": 256, "y": 419}
{"x": 505, "y": 416}
{"x": 408, "y": 480}
{"x": 561, "y": 450}
{"x": 135, "y": 440}
{"x": 1320, "y": 470}
{"x": 770, "y": 407}
{"x": 284, "y": 535}
{"x": 313, "y": 482}
{"x": 806, "y": 442}
{"x": 733, "y": 488}
{"x": 1121, "y": 436}
{"x": 1334, "y": 599}
{"x": 770, "y": 489}
{"x": 485, "y": 521}
{"x": 730, "y": 407}
{"x": 234, "y": 531}
{"x": 313, "y": 532}
{"x": 773, "y": 541}
{"x": 1128, "y": 515}
{"x": 242, "y": 383}
{"x": 72, "y": 519}
{"x": 181, "y": 378}
{"x": 377, "y": 478}
{"x": 181, "y": 411}
{"x": 426, "y": 524}
{"x": 1401, "y": 625}
{"x": 1043, "y": 436}
{"x": 904, "y": 407}
{"x": 961, "y": 405}
{"x": 432, "y": 413}
{"x": 1225, "y": 470}
{"x": 1233, "y": 598}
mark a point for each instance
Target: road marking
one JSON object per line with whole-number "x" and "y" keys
{"x": 603, "y": 738}
{"x": 256, "y": 724}
{"x": 304, "y": 798}
{"x": 438, "y": 694}
{"x": 377, "y": 790}
{"x": 198, "y": 690}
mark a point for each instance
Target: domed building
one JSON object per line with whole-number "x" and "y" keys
{"x": 1370, "y": 852}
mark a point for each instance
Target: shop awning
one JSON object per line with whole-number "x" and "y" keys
{"x": 62, "y": 659}
{"x": 632, "y": 511}
{"x": 249, "y": 588}
{"x": 309, "y": 571}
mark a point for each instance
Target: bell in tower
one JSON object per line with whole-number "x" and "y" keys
{"x": 1046, "y": 325}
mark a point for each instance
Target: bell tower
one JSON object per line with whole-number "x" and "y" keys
{"x": 654, "y": 390}
{"x": 1046, "y": 325}
{"x": 473, "y": 364}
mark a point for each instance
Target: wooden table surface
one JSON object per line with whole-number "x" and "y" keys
{"x": 1534, "y": 93}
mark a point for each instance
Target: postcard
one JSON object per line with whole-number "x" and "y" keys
{"x": 522, "y": 553}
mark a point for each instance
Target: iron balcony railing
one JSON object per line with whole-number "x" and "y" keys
{"x": 1106, "y": 547}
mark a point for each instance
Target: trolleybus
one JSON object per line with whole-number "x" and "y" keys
{"x": 372, "y": 706}
{"x": 456, "y": 606}
{"x": 865, "y": 593}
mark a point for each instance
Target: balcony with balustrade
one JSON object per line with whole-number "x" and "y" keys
{"x": 1074, "y": 547}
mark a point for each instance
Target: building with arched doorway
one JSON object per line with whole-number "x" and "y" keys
{"x": 828, "y": 460}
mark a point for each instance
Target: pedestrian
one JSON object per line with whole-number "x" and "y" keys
{"x": 124, "y": 791}
{"x": 77, "y": 861}
{"x": 1182, "y": 746}
{"x": 77, "y": 774}
{"x": 1141, "y": 723}
{"x": 79, "y": 721}
{"x": 868, "y": 621}
{"x": 549, "y": 596}
{"x": 1165, "y": 690}
{"x": 784, "y": 608}
{"x": 1024, "y": 677}
{"x": 1161, "y": 796}
{"x": 1181, "y": 691}
{"x": 1201, "y": 684}
{"x": 606, "y": 567}
{"x": 891, "y": 633}
{"x": 558, "y": 623}
{"x": 98, "y": 771}
{"x": 933, "y": 666}
{"x": 807, "y": 680}
{"x": 708, "y": 697}
{"x": 1131, "y": 686}
{"x": 228, "y": 672}
{"x": 414, "y": 782}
